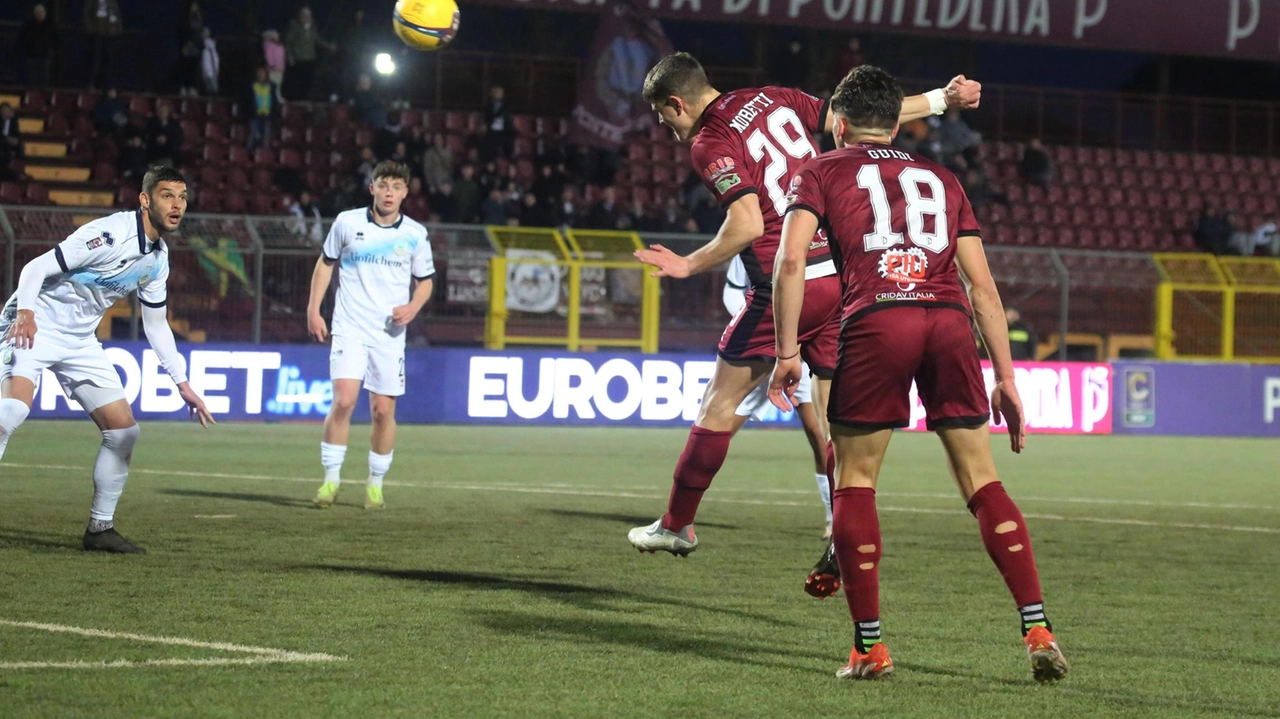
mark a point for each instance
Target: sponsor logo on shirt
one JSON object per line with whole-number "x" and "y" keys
{"x": 720, "y": 167}
{"x": 906, "y": 267}
{"x": 359, "y": 236}
{"x": 728, "y": 182}
{"x": 103, "y": 239}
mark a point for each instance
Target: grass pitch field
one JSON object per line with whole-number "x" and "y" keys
{"x": 499, "y": 581}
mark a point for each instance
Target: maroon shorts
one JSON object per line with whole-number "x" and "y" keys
{"x": 750, "y": 335}
{"x": 882, "y": 351}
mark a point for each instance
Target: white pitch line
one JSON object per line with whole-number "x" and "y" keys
{"x": 278, "y": 654}
{"x": 564, "y": 490}
{"x": 126, "y": 664}
{"x": 213, "y": 516}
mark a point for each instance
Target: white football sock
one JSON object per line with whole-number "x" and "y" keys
{"x": 111, "y": 471}
{"x": 824, "y": 489}
{"x": 13, "y": 413}
{"x": 331, "y": 456}
{"x": 379, "y": 464}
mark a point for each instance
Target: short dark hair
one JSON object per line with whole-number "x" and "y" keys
{"x": 391, "y": 171}
{"x": 679, "y": 74}
{"x": 868, "y": 97}
{"x": 158, "y": 174}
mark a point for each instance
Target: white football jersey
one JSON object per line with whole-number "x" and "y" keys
{"x": 101, "y": 262}
{"x": 376, "y": 268}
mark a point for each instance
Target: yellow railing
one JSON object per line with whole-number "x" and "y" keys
{"x": 523, "y": 250}
{"x": 1217, "y": 308}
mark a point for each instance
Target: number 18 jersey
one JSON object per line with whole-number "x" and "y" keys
{"x": 893, "y": 220}
{"x": 753, "y": 141}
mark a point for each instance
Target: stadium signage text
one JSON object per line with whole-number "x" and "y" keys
{"x": 1247, "y": 29}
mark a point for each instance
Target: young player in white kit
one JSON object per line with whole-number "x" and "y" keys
{"x": 757, "y": 405}
{"x": 385, "y": 280}
{"x": 51, "y": 322}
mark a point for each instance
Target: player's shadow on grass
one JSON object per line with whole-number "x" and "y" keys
{"x": 12, "y": 538}
{"x": 582, "y": 596}
{"x": 275, "y": 499}
{"x": 629, "y": 519}
{"x": 670, "y": 640}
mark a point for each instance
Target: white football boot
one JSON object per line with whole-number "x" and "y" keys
{"x": 654, "y": 538}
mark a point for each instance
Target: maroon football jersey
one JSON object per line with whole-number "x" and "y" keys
{"x": 753, "y": 141}
{"x": 893, "y": 219}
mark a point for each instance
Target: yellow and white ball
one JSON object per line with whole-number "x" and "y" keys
{"x": 426, "y": 24}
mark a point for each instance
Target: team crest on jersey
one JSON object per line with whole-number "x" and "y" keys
{"x": 718, "y": 168}
{"x": 402, "y": 247}
{"x": 145, "y": 278}
{"x": 728, "y": 182}
{"x": 906, "y": 267}
{"x": 790, "y": 198}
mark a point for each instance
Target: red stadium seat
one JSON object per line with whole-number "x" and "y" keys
{"x": 1086, "y": 239}
{"x": 639, "y": 173}
{"x": 37, "y": 194}
{"x": 1069, "y": 174}
{"x": 218, "y": 110}
{"x": 239, "y": 156}
{"x": 127, "y": 197}
{"x": 1075, "y": 195}
{"x": 215, "y": 132}
{"x": 211, "y": 178}
{"x": 104, "y": 173}
{"x": 12, "y": 193}
{"x": 1181, "y": 161}
{"x": 411, "y": 117}
{"x": 364, "y": 137}
{"x": 263, "y": 203}
{"x": 524, "y": 125}
{"x": 234, "y": 202}
{"x": 1065, "y": 237}
{"x": 262, "y": 179}
{"x": 1263, "y": 184}
{"x": 86, "y": 100}
{"x": 1109, "y": 177}
{"x": 264, "y": 157}
{"x": 290, "y": 157}
{"x": 522, "y": 147}
{"x": 637, "y": 152}
{"x": 455, "y": 121}
{"x": 208, "y": 200}
{"x": 1200, "y": 163}
{"x": 35, "y": 100}
{"x": 237, "y": 176}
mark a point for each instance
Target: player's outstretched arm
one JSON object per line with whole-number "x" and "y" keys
{"x": 961, "y": 93}
{"x": 404, "y": 314}
{"x": 988, "y": 312}
{"x": 320, "y": 278}
{"x": 30, "y": 282}
{"x": 743, "y": 223}
{"x": 155, "y": 322}
{"x": 788, "y": 298}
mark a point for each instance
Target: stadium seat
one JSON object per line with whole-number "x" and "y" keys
{"x": 455, "y": 121}
{"x": 524, "y": 125}
{"x": 363, "y": 137}
{"x": 262, "y": 179}
{"x": 237, "y": 176}
{"x": 218, "y": 111}
{"x": 211, "y": 178}
{"x": 127, "y": 197}
{"x": 264, "y": 157}
{"x": 291, "y": 158}
{"x": 104, "y": 173}
{"x": 263, "y": 203}
{"x": 12, "y": 193}
{"x": 215, "y": 132}
{"x": 637, "y": 152}
{"x": 522, "y": 147}
{"x": 35, "y": 100}
{"x": 234, "y": 202}
{"x": 238, "y": 156}
{"x": 339, "y": 114}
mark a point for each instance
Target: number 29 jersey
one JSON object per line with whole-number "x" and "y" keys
{"x": 753, "y": 141}
{"x": 893, "y": 220}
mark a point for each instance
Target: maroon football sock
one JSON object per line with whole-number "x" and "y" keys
{"x": 1004, "y": 532}
{"x": 855, "y": 529}
{"x": 702, "y": 457}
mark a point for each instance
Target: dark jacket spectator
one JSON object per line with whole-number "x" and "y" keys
{"x": 497, "y": 122}
{"x": 132, "y": 163}
{"x": 416, "y": 204}
{"x": 604, "y": 214}
{"x": 565, "y": 212}
{"x": 672, "y": 217}
{"x": 1035, "y": 166}
{"x": 366, "y": 103}
{"x": 302, "y": 43}
{"x": 38, "y": 41}
{"x": 103, "y": 24}
{"x": 10, "y": 142}
{"x": 493, "y": 211}
{"x": 1023, "y": 344}
{"x": 191, "y": 36}
{"x": 466, "y": 195}
{"x": 443, "y": 204}
{"x": 532, "y": 213}
{"x": 388, "y": 136}
{"x": 437, "y": 162}
{"x": 164, "y": 136}
{"x": 639, "y": 219}
{"x": 1213, "y": 231}
{"x": 548, "y": 185}
{"x": 111, "y": 113}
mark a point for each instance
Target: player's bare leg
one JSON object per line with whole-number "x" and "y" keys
{"x": 337, "y": 429}
{"x": 1004, "y": 532}
{"x": 703, "y": 455}
{"x": 110, "y": 472}
{"x": 817, "y": 437}
{"x": 824, "y": 578}
{"x": 16, "y": 397}
{"x": 856, "y": 538}
{"x": 382, "y": 410}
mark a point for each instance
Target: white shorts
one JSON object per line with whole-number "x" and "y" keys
{"x": 757, "y": 404}
{"x": 80, "y": 366}
{"x": 381, "y": 367}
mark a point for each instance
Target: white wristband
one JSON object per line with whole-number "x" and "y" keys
{"x": 937, "y": 101}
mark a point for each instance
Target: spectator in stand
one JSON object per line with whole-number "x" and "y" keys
{"x": 415, "y": 204}
{"x": 400, "y": 155}
{"x": 497, "y": 120}
{"x": 191, "y": 37}
{"x": 307, "y": 222}
{"x": 790, "y": 65}
{"x": 1035, "y": 166}
{"x": 437, "y": 162}
{"x": 442, "y": 202}
{"x": 493, "y": 211}
{"x": 110, "y": 114}
{"x": 10, "y": 142}
{"x": 708, "y": 215}
{"x": 302, "y": 43}
{"x": 849, "y": 57}
{"x": 490, "y": 180}
{"x": 364, "y": 172}
{"x": 132, "y": 162}
{"x": 672, "y": 217}
{"x": 605, "y": 214}
{"x": 466, "y": 195}
{"x": 389, "y": 134}
{"x": 38, "y": 41}
{"x": 210, "y": 64}
{"x": 164, "y": 137}
{"x": 639, "y": 219}
{"x": 365, "y": 102}
{"x": 548, "y": 184}
{"x": 979, "y": 190}
{"x": 416, "y": 143}
{"x": 273, "y": 57}
{"x": 261, "y": 104}
{"x": 565, "y": 213}
{"x": 955, "y": 137}
{"x": 533, "y": 214}
{"x": 344, "y": 196}
{"x": 354, "y": 49}
{"x": 486, "y": 146}
{"x": 1265, "y": 237}
{"x": 1213, "y": 230}
{"x": 103, "y": 24}
{"x": 1023, "y": 344}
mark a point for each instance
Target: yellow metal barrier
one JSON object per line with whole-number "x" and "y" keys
{"x": 575, "y": 250}
{"x": 1217, "y": 308}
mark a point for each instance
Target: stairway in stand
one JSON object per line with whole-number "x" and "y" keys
{"x": 53, "y": 174}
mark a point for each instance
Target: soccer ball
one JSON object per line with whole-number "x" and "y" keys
{"x": 426, "y": 24}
